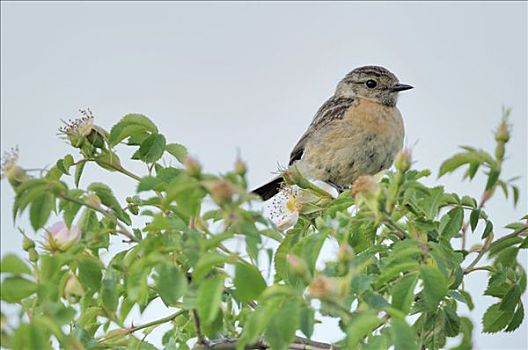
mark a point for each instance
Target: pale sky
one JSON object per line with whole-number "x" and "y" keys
{"x": 223, "y": 78}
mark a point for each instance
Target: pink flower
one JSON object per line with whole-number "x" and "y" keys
{"x": 60, "y": 237}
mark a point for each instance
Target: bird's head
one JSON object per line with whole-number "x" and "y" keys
{"x": 371, "y": 82}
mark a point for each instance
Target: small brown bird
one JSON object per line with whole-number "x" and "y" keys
{"x": 358, "y": 131}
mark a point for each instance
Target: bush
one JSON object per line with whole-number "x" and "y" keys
{"x": 397, "y": 279}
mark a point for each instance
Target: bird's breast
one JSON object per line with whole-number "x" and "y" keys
{"x": 365, "y": 141}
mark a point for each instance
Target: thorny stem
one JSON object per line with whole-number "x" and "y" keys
{"x": 119, "y": 169}
{"x": 143, "y": 326}
{"x": 298, "y": 344}
{"x": 122, "y": 229}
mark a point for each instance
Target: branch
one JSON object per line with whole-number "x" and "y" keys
{"x": 143, "y": 326}
{"x": 298, "y": 344}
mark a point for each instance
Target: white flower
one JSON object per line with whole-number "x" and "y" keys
{"x": 288, "y": 203}
{"x": 60, "y": 237}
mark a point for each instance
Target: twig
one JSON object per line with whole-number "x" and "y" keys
{"x": 482, "y": 252}
{"x": 201, "y": 338}
{"x": 143, "y": 326}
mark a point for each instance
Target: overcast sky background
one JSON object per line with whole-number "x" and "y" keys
{"x": 248, "y": 77}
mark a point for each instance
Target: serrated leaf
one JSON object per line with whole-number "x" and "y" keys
{"x": 456, "y": 161}
{"x": 16, "y": 288}
{"x": 13, "y": 264}
{"x": 511, "y": 299}
{"x": 41, "y": 208}
{"x": 152, "y": 148}
{"x": 435, "y": 286}
{"x": 208, "y": 299}
{"x": 280, "y": 331}
{"x": 307, "y": 321}
{"x": 517, "y": 319}
{"x": 249, "y": 283}
{"x": 495, "y": 319}
{"x": 172, "y": 283}
{"x": 452, "y": 322}
{"x": 402, "y": 335}
{"x": 403, "y": 292}
{"x": 359, "y": 327}
{"x": 148, "y": 183}
{"x": 107, "y": 198}
{"x": 178, "y": 151}
{"x": 129, "y": 125}
{"x": 109, "y": 293}
{"x": 90, "y": 273}
{"x": 454, "y": 222}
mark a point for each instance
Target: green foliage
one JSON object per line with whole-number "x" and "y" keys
{"x": 402, "y": 252}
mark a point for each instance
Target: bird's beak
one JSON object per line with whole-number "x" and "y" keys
{"x": 401, "y": 87}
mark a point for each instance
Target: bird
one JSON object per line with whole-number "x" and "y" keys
{"x": 357, "y": 131}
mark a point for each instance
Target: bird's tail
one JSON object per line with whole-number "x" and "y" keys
{"x": 270, "y": 189}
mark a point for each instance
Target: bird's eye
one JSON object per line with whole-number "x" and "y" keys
{"x": 371, "y": 84}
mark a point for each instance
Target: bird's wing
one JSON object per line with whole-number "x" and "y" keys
{"x": 333, "y": 109}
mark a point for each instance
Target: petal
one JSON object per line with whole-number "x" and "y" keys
{"x": 288, "y": 221}
{"x": 325, "y": 186}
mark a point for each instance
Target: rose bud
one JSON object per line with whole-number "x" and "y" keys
{"x": 73, "y": 289}
{"x": 322, "y": 287}
{"x": 403, "y": 160}
{"x": 193, "y": 167}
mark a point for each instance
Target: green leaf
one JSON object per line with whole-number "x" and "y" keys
{"x": 209, "y": 298}
{"x": 493, "y": 176}
{"x": 90, "y": 273}
{"x": 107, "y": 198}
{"x": 152, "y": 148}
{"x": 403, "y": 292}
{"x": 435, "y": 286}
{"x": 16, "y": 288}
{"x": 178, "y": 151}
{"x": 129, "y": 125}
{"x": 13, "y": 264}
{"x": 31, "y": 337}
{"x": 487, "y": 230}
{"x": 307, "y": 315}
{"x": 517, "y": 319}
{"x": 474, "y": 218}
{"x": 453, "y": 163}
{"x": 41, "y": 209}
{"x": 360, "y": 326}
{"x": 172, "y": 283}
{"x": 109, "y": 293}
{"x": 495, "y": 319}
{"x": 402, "y": 335}
{"x": 280, "y": 331}
{"x": 511, "y": 299}
{"x": 248, "y": 281}
{"x": 452, "y": 322}
{"x": 148, "y": 183}
{"x": 78, "y": 172}
{"x": 454, "y": 222}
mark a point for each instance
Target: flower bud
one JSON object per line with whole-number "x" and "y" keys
{"x": 502, "y": 134}
{"x": 81, "y": 130}
{"x": 403, "y": 160}
{"x": 72, "y": 290}
{"x": 221, "y": 191}
{"x": 345, "y": 253}
{"x": 193, "y": 167}
{"x": 93, "y": 200}
{"x": 240, "y": 167}
{"x": 33, "y": 255}
{"x": 15, "y": 174}
{"x": 365, "y": 186}
{"x": 322, "y": 287}
{"x": 293, "y": 176}
{"x": 27, "y": 244}
{"x": 60, "y": 237}
{"x": 297, "y": 265}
